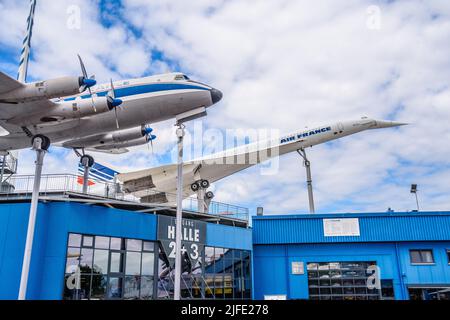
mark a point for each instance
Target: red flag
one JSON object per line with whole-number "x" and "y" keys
{"x": 80, "y": 180}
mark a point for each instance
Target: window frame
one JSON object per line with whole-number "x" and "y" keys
{"x": 420, "y": 251}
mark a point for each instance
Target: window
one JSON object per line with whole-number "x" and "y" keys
{"x": 220, "y": 274}
{"x": 345, "y": 281}
{"x": 421, "y": 256}
{"x": 99, "y": 267}
{"x": 181, "y": 77}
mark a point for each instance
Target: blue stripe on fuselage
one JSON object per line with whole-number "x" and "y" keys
{"x": 141, "y": 89}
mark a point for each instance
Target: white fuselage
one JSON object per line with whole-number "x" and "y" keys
{"x": 145, "y": 100}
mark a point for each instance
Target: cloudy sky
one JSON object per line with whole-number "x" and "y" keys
{"x": 281, "y": 64}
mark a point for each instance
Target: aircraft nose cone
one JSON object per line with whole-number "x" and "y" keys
{"x": 216, "y": 95}
{"x": 389, "y": 124}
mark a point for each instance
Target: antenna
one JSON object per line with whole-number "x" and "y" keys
{"x": 26, "y": 48}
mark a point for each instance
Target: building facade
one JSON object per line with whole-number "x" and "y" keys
{"x": 86, "y": 251}
{"x": 352, "y": 256}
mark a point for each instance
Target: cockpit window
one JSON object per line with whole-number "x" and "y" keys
{"x": 181, "y": 77}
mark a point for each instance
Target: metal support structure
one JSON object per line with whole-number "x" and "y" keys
{"x": 179, "y": 218}
{"x": 40, "y": 153}
{"x": 307, "y": 164}
{"x": 417, "y": 202}
{"x": 201, "y": 203}
{"x": 86, "y": 178}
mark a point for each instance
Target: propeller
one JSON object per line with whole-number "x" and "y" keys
{"x": 147, "y": 132}
{"x": 115, "y": 103}
{"x": 87, "y": 82}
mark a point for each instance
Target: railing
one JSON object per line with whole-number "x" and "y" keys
{"x": 21, "y": 187}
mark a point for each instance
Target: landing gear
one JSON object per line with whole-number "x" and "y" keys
{"x": 87, "y": 160}
{"x": 209, "y": 195}
{"x": 40, "y": 141}
{"x": 40, "y": 144}
{"x": 203, "y": 198}
{"x": 200, "y": 184}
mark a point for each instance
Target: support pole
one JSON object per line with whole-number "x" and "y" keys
{"x": 40, "y": 153}
{"x": 177, "y": 289}
{"x": 86, "y": 178}
{"x": 201, "y": 203}
{"x": 417, "y": 201}
{"x": 307, "y": 164}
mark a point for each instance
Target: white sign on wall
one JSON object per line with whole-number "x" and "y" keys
{"x": 298, "y": 267}
{"x": 275, "y": 297}
{"x": 347, "y": 227}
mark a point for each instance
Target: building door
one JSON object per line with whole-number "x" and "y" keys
{"x": 116, "y": 274}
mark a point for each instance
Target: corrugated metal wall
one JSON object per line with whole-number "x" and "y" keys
{"x": 422, "y": 226}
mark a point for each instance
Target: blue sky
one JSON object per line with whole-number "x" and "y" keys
{"x": 282, "y": 65}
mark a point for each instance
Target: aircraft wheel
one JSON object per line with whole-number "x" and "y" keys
{"x": 195, "y": 186}
{"x": 209, "y": 195}
{"x": 45, "y": 144}
{"x": 87, "y": 160}
{"x": 204, "y": 184}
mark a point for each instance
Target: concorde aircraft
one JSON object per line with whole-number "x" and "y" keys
{"x": 75, "y": 112}
{"x": 159, "y": 184}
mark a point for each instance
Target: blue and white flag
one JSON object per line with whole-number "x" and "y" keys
{"x": 97, "y": 172}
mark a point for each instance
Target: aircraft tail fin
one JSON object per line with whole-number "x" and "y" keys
{"x": 26, "y": 48}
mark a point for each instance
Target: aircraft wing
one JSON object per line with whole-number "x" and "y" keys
{"x": 159, "y": 184}
{"x": 11, "y": 110}
{"x": 8, "y": 84}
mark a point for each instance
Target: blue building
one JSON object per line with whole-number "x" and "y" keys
{"x": 352, "y": 256}
{"x": 101, "y": 247}
{"x": 92, "y": 248}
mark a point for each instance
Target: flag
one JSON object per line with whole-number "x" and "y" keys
{"x": 97, "y": 172}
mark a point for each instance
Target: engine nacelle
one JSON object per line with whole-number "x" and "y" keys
{"x": 129, "y": 134}
{"x": 48, "y": 89}
{"x": 67, "y": 110}
{"x": 125, "y": 144}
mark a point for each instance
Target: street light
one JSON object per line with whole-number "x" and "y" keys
{"x": 181, "y": 119}
{"x": 414, "y": 190}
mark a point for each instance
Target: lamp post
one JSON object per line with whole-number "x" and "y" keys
{"x": 414, "y": 190}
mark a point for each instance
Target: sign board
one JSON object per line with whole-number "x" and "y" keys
{"x": 192, "y": 242}
{"x": 347, "y": 227}
{"x": 275, "y": 297}
{"x": 298, "y": 267}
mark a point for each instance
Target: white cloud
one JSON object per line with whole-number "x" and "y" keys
{"x": 284, "y": 64}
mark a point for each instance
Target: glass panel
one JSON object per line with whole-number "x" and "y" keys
{"x": 149, "y": 246}
{"x": 340, "y": 280}
{"x": 117, "y": 243}
{"x": 74, "y": 240}
{"x": 148, "y": 264}
{"x": 427, "y": 256}
{"x": 101, "y": 261}
{"x": 132, "y": 287}
{"x": 86, "y": 260}
{"x": 98, "y": 289}
{"x": 115, "y": 288}
{"x": 146, "y": 288}
{"x": 134, "y": 245}
{"x": 133, "y": 266}
{"x": 73, "y": 258}
{"x": 102, "y": 242}
{"x": 88, "y": 241}
{"x": 85, "y": 286}
{"x": 116, "y": 263}
{"x": 415, "y": 256}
